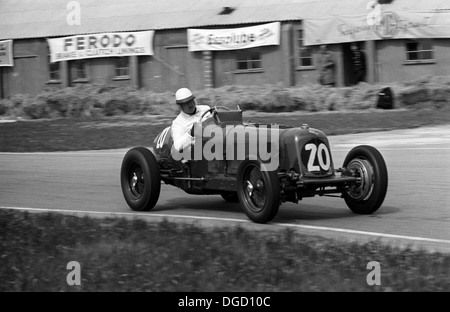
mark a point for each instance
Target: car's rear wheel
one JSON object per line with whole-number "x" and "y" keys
{"x": 258, "y": 191}
{"x": 140, "y": 179}
{"x": 367, "y": 163}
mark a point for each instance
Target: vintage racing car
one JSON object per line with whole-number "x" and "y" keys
{"x": 300, "y": 165}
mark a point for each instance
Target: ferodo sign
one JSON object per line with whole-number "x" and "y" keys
{"x": 101, "y": 45}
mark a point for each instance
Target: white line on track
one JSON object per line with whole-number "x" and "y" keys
{"x": 310, "y": 227}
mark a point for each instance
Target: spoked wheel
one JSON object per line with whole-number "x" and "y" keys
{"x": 140, "y": 179}
{"x": 364, "y": 170}
{"x": 258, "y": 191}
{"x": 366, "y": 163}
{"x": 136, "y": 180}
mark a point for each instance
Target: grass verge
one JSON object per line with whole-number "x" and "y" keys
{"x": 70, "y": 134}
{"x": 116, "y": 254}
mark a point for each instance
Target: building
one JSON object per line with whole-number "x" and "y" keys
{"x": 162, "y": 45}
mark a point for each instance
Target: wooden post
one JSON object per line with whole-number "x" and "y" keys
{"x": 371, "y": 61}
{"x": 2, "y": 92}
{"x": 207, "y": 70}
{"x": 65, "y": 76}
{"x": 287, "y": 52}
{"x": 340, "y": 65}
{"x": 134, "y": 71}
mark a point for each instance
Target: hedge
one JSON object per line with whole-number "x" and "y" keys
{"x": 96, "y": 101}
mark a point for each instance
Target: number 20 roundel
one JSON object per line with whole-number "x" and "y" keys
{"x": 316, "y": 157}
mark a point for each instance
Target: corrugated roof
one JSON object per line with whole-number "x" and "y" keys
{"x": 48, "y": 18}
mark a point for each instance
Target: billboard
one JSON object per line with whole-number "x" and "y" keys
{"x": 391, "y": 25}
{"x": 233, "y": 38}
{"x": 101, "y": 45}
{"x": 6, "y": 53}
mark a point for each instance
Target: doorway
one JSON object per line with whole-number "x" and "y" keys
{"x": 175, "y": 68}
{"x": 349, "y": 77}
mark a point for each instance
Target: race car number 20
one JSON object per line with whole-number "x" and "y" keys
{"x": 319, "y": 157}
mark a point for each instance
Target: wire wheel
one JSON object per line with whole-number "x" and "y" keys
{"x": 255, "y": 190}
{"x": 258, "y": 191}
{"x": 136, "y": 180}
{"x": 363, "y": 170}
{"x": 366, "y": 163}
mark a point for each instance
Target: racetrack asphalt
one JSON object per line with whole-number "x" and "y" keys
{"x": 415, "y": 213}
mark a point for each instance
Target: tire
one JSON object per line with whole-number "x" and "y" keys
{"x": 258, "y": 191}
{"x": 367, "y": 196}
{"x": 140, "y": 179}
{"x": 231, "y": 197}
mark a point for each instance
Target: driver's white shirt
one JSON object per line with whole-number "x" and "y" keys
{"x": 181, "y": 127}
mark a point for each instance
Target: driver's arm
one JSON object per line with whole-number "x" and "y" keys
{"x": 181, "y": 138}
{"x": 182, "y": 133}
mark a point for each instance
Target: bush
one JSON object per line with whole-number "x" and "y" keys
{"x": 428, "y": 91}
{"x": 157, "y": 103}
{"x": 92, "y": 100}
{"x": 414, "y": 95}
{"x": 364, "y": 96}
{"x": 17, "y": 104}
{"x": 4, "y": 107}
{"x": 36, "y": 109}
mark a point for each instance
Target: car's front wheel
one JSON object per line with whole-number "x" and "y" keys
{"x": 258, "y": 191}
{"x": 140, "y": 179}
{"x": 366, "y": 163}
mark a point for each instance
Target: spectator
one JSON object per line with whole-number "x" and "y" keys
{"x": 358, "y": 63}
{"x": 326, "y": 67}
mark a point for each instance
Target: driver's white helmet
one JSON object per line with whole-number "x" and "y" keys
{"x": 183, "y": 95}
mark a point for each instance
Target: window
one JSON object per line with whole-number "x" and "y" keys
{"x": 419, "y": 51}
{"x": 122, "y": 67}
{"x": 78, "y": 70}
{"x": 305, "y": 57}
{"x": 248, "y": 61}
{"x": 53, "y": 71}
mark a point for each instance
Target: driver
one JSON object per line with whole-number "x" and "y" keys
{"x": 183, "y": 125}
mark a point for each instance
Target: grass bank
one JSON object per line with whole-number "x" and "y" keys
{"x": 70, "y": 134}
{"x": 132, "y": 255}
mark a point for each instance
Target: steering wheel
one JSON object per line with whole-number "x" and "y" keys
{"x": 213, "y": 111}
